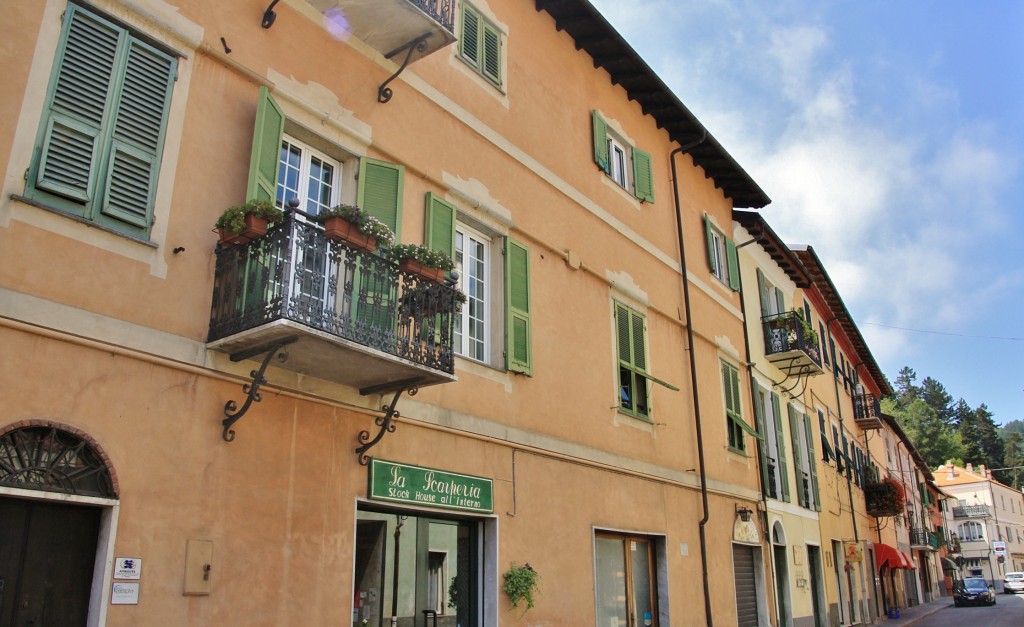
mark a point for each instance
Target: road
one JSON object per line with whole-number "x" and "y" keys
{"x": 1007, "y": 612}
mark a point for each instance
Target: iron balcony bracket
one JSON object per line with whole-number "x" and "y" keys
{"x": 800, "y": 373}
{"x": 252, "y": 390}
{"x": 384, "y": 92}
{"x": 385, "y": 422}
{"x": 269, "y": 16}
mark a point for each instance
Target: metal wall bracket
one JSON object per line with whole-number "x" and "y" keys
{"x": 800, "y": 374}
{"x": 269, "y": 16}
{"x": 252, "y": 389}
{"x": 385, "y": 422}
{"x": 384, "y": 92}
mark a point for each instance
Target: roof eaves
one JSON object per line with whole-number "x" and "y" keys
{"x": 593, "y": 34}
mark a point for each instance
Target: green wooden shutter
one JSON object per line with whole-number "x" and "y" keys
{"x": 643, "y": 178}
{"x": 600, "y": 128}
{"x": 826, "y": 449}
{"x": 469, "y": 43}
{"x": 518, "y": 330}
{"x": 780, "y": 445}
{"x": 762, "y": 289}
{"x": 440, "y": 225}
{"x": 266, "y": 149}
{"x": 80, "y": 96}
{"x": 491, "y": 61}
{"x": 139, "y": 127}
{"x": 733, "y": 263}
{"x": 380, "y": 191}
{"x": 812, "y": 462}
{"x": 763, "y": 446}
{"x": 709, "y": 234}
{"x": 795, "y": 434}
{"x": 838, "y": 449}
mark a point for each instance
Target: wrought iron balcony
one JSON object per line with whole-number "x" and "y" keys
{"x": 971, "y": 511}
{"x": 393, "y": 26}
{"x": 923, "y": 539}
{"x": 790, "y": 344}
{"x": 352, "y": 317}
{"x": 867, "y": 412}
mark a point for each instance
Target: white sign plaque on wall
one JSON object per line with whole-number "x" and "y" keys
{"x": 124, "y": 593}
{"x": 127, "y": 567}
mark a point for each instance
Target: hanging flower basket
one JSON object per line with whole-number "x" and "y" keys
{"x": 885, "y": 498}
{"x": 341, "y": 230}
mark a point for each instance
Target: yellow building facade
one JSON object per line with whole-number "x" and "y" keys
{"x": 294, "y": 430}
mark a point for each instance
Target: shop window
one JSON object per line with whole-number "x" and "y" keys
{"x": 627, "y": 587}
{"x": 102, "y": 132}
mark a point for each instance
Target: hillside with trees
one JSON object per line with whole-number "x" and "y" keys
{"x": 942, "y": 429}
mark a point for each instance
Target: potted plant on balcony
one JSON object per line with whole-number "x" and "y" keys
{"x": 247, "y": 221}
{"x": 428, "y": 263}
{"x": 356, "y": 227}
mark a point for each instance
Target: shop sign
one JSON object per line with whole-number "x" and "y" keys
{"x": 853, "y": 552}
{"x": 999, "y": 548}
{"x": 405, "y": 483}
{"x": 124, "y": 593}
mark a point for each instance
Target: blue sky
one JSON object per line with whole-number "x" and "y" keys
{"x": 890, "y": 137}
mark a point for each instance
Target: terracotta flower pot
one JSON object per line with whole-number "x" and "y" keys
{"x": 341, "y": 230}
{"x": 255, "y": 226}
{"x": 430, "y": 274}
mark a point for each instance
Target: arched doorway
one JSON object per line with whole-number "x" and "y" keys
{"x": 782, "y": 595}
{"x": 48, "y": 559}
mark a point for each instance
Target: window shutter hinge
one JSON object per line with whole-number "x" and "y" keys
{"x": 26, "y": 174}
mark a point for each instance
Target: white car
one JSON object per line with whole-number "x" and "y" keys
{"x": 1013, "y": 583}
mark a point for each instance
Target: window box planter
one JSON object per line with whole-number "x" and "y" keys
{"x": 341, "y": 230}
{"x": 243, "y": 223}
{"x": 425, "y": 262}
{"x": 408, "y": 264}
{"x": 354, "y": 226}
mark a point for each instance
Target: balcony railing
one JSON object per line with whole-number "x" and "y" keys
{"x": 867, "y": 411}
{"x": 923, "y": 539}
{"x": 394, "y": 26}
{"x": 971, "y": 511}
{"x": 356, "y": 317}
{"x": 789, "y": 345}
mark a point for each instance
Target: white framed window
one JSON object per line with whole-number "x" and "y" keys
{"x": 717, "y": 254}
{"x": 473, "y": 262}
{"x": 619, "y": 160}
{"x": 309, "y": 175}
{"x": 971, "y": 531}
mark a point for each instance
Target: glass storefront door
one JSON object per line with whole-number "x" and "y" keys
{"x": 416, "y": 571}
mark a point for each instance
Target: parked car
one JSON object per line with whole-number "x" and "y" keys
{"x": 973, "y": 591}
{"x": 1013, "y": 583}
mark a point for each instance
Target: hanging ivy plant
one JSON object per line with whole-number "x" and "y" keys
{"x": 520, "y": 585}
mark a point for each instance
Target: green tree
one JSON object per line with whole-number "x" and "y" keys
{"x": 932, "y": 437}
{"x": 906, "y": 389}
{"x": 1013, "y": 456}
{"x": 935, "y": 395}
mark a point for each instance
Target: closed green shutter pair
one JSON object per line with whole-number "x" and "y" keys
{"x": 812, "y": 462}
{"x": 104, "y": 125}
{"x": 780, "y": 445}
{"x": 643, "y": 177}
{"x": 732, "y": 261}
{"x": 480, "y": 44}
{"x": 440, "y": 235}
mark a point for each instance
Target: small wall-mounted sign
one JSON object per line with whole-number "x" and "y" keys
{"x": 124, "y": 593}
{"x": 127, "y": 567}
{"x": 405, "y": 483}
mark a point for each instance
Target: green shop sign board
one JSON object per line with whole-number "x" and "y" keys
{"x": 404, "y": 483}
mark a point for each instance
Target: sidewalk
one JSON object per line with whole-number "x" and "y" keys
{"x": 911, "y": 615}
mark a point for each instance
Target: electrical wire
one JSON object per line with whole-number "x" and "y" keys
{"x": 977, "y": 337}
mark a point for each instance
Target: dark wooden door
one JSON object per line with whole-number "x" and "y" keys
{"x": 47, "y": 555}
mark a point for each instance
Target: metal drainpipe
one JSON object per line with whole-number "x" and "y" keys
{"x": 693, "y": 376}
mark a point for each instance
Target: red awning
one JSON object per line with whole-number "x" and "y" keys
{"x": 886, "y": 555}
